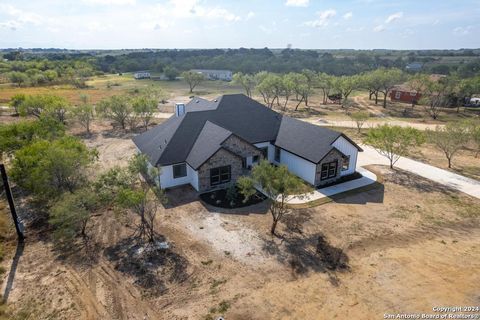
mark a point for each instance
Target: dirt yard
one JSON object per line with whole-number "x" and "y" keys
{"x": 404, "y": 246}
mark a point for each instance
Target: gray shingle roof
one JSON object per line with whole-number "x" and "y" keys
{"x": 208, "y": 142}
{"x": 195, "y": 136}
{"x": 305, "y": 139}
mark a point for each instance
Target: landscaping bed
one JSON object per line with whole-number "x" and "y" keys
{"x": 230, "y": 198}
{"x": 350, "y": 177}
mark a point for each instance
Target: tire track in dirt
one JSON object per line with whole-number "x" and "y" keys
{"x": 82, "y": 295}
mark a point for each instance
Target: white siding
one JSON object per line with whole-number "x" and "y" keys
{"x": 167, "y": 180}
{"x": 348, "y": 149}
{"x": 298, "y": 166}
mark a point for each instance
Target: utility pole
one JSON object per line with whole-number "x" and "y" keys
{"x": 11, "y": 203}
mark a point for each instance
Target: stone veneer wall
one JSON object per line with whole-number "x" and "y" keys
{"x": 240, "y": 147}
{"x": 221, "y": 158}
{"x": 333, "y": 155}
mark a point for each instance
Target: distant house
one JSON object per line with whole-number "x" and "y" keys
{"x": 225, "y": 75}
{"x": 141, "y": 75}
{"x": 403, "y": 93}
{"x": 209, "y": 144}
{"x": 414, "y": 66}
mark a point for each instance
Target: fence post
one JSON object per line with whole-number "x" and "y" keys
{"x": 11, "y": 203}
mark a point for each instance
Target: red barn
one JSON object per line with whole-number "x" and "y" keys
{"x": 405, "y": 94}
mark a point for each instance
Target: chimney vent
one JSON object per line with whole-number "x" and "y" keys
{"x": 179, "y": 109}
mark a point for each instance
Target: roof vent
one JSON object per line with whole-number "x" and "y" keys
{"x": 215, "y": 100}
{"x": 179, "y": 109}
{"x": 197, "y": 101}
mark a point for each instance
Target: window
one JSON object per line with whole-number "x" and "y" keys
{"x": 277, "y": 154}
{"x": 264, "y": 152}
{"x": 220, "y": 175}
{"x": 398, "y": 94}
{"x": 329, "y": 170}
{"x": 244, "y": 163}
{"x": 179, "y": 171}
{"x": 255, "y": 159}
{"x": 346, "y": 163}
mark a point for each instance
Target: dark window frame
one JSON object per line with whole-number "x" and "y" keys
{"x": 347, "y": 162}
{"x": 264, "y": 151}
{"x": 182, "y": 173}
{"x": 220, "y": 175}
{"x": 329, "y": 170}
{"x": 277, "y": 154}
{"x": 255, "y": 159}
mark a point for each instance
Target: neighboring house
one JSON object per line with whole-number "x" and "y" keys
{"x": 209, "y": 144}
{"x": 141, "y": 75}
{"x": 225, "y": 75}
{"x": 403, "y": 93}
{"x": 414, "y": 66}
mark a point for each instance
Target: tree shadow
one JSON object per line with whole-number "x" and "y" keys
{"x": 312, "y": 253}
{"x": 82, "y": 252}
{"x": 153, "y": 268}
{"x": 374, "y": 193}
{"x": 416, "y": 182}
{"x": 13, "y": 270}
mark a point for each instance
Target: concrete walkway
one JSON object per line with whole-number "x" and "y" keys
{"x": 370, "y": 123}
{"x": 367, "y": 179}
{"x": 444, "y": 177}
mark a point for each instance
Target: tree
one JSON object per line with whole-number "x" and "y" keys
{"x": 116, "y": 108}
{"x": 325, "y": 82}
{"x": 389, "y": 78}
{"x": 144, "y": 107}
{"x": 71, "y": 213}
{"x": 419, "y": 83}
{"x": 301, "y": 88}
{"x": 372, "y": 82}
{"x": 45, "y": 105}
{"x": 360, "y": 118}
{"x": 450, "y": 139}
{"x": 16, "y": 101}
{"x": 438, "y": 95}
{"x": 18, "y": 78}
{"x": 276, "y": 182}
{"x": 270, "y": 88}
{"x": 476, "y": 138}
{"x": 193, "y": 79}
{"x": 84, "y": 114}
{"x": 170, "y": 72}
{"x": 287, "y": 88}
{"x": 246, "y": 81}
{"x": 345, "y": 85}
{"x": 394, "y": 142}
{"x": 16, "y": 135}
{"x": 49, "y": 168}
{"x": 131, "y": 189}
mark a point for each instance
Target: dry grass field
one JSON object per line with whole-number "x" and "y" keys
{"x": 391, "y": 241}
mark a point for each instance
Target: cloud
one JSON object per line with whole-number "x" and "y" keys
{"x": 109, "y": 2}
{"x": 393, "y": 17}
{"x": 176, "y": 9}
{"x": 19, "y": 17}
{"x": 250, "y": 15}
{"x": 297, "y": 3}
{"x": 462, "y": 31}
{"x": 348, "y": 15}
{"x": 323, "y": 18}
{"x": 379, "y": 28}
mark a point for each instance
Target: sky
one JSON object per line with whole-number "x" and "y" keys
{"x": 306, "y": 24}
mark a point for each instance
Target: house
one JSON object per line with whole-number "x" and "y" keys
{"x": 141, "y": 75}
{"x": 225, "y": 75}
{"x": 403, "y": 93}
{"x": 209, "y": 144}
{"x": 414, "y": 66}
